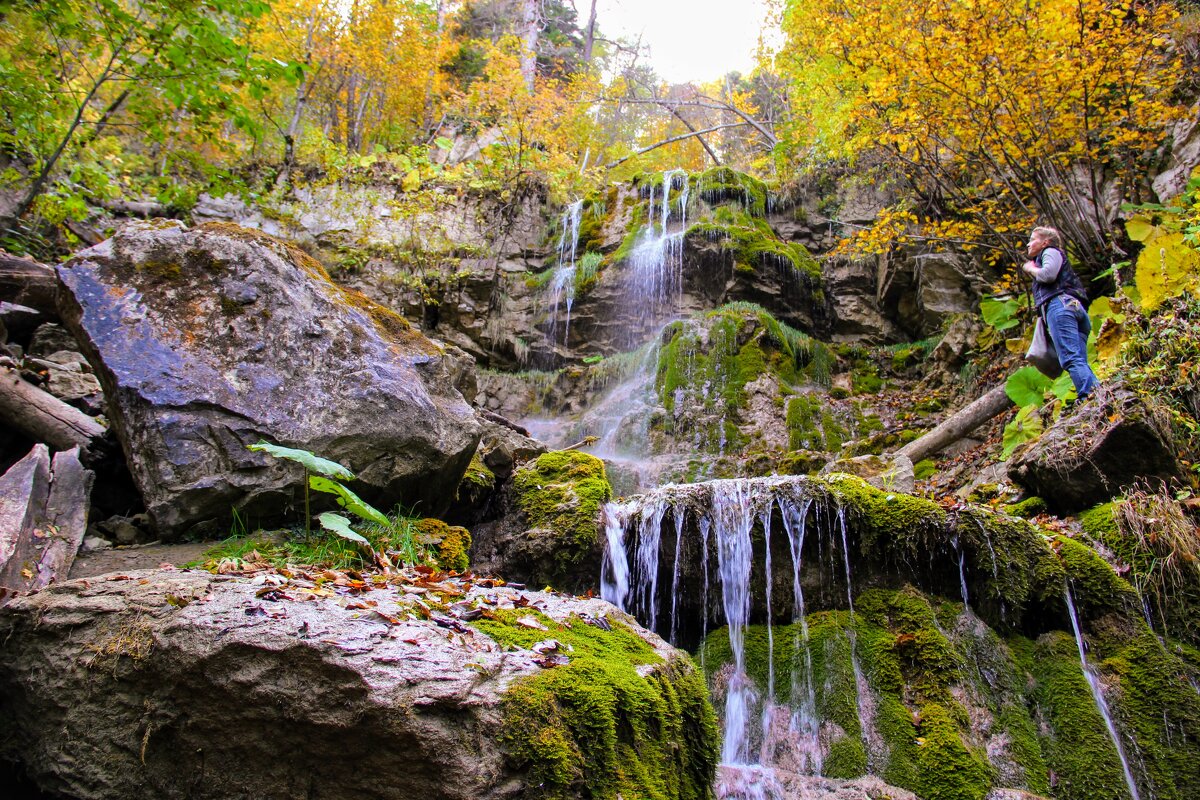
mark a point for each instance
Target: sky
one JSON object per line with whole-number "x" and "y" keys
{"x": 690, "y": 40}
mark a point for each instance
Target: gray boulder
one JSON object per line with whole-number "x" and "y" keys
{"x": 169, "y": 684}
{"x": 210, "y": 339}
{"x": 1105, "y": 444}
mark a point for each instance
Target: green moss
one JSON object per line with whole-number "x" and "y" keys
{"x": 753, "y": 244}
{"x": 866, "y": 380}
{"x": 811, "y": 425}
{"x": 561, "y": 494}
{"x": 596, "y": 727}
{"x": 1095, "y": 585}
{"x": 925, "y": 469}
{"x": 1074, "y": 738}
{"x": 1027, "y": 508}
{"x": 451, "y": 543}
{"x": 885, "y": 516}
{"x": 947, "y": 769}
{"x": 721, "y": 185}
{"x": 479, "y": 475}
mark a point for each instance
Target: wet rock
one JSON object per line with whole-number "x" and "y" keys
{"x": 192, "y": 376}
{"x": 20, "y": 321}
{"x": 170, "y": 684}
{"x": 738, "y": 783}
{"x": 1105, "y": 443}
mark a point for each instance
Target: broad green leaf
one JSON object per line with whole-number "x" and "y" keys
{"x": 348, "y": 499}
{"x": 336, "y": 523}
{"x": 1027, "y": 387}
{"x": 1025, "y": 427}
{"x": 311, "y": 462}
{"x": 1063, "y": 386}
{"x": 1000, "y": 314}
{"x": 443, "y": 143}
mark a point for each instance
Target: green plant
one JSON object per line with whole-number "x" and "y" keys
{"x": 321, "y": 474}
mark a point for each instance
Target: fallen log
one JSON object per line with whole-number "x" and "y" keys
{"x": 43, "y": 518}
{"x": 41, "y": 416}
{"x": 26, "y": 282}
{"x": 958, "y": 425}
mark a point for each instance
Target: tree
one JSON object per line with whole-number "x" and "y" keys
{"x": 102, "y": 55}
{"x": 996, "y": 114}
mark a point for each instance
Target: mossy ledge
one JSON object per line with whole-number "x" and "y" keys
{"x": 617, "y": 720}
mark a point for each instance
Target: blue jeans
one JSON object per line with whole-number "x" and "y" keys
{"x": 1069, "y": 326}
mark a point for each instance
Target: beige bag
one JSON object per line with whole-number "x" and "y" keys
{"x": 1042, "y": 353}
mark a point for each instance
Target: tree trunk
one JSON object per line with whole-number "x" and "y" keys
{"x": 589, "y": 40}
{"x": 958, "y": 425}
{"x": 529, "y": 38}
{"x": 42, "y": 417}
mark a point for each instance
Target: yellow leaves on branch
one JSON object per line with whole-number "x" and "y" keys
{"x": 985, "y": 96}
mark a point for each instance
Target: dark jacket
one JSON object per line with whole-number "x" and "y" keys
{"x": 1067, "y": 282}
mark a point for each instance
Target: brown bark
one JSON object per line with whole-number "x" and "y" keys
{"x": 42, "y": 417}
{"x": 28, "y": 283}
{"x": 958, "y": 425}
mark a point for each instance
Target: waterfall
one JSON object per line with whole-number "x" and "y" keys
{"x": 805, "y": 724}
{"x": 654, "y": 281}
{"x": 733, "y": 518}
{"x": 1093, "y": 681}
{"x": 562, "y": 283}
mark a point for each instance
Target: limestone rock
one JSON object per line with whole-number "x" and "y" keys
{"x": 209, "y": 339}
{"x": 170, "y": 684}
{"x": 736, "y": 783}
{"x": 1106, "y": 443}
{"x": 43, "y": 518}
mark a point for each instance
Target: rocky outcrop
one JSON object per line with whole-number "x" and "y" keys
{"x": 43, "y": 518}
{"x": 1105, "y": 444}
{"x": 175, "y": 684}
{"x": 210, "y": 339}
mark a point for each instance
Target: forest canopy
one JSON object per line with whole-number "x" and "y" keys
{"x": 983, "y": 116}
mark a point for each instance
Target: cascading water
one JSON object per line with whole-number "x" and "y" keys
{"x": 1093, "y": 681}
{"x": 561, "y": 292}
{"x": 755, "y": 727}
{"x": 654, "y": 281}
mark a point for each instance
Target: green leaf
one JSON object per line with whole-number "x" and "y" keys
{"x": 1027, "y": 387}
{"x": 443, "y": 143}
{"x": 336, "y": 523}
{"x": 1000, "y": 314}
{"x": 348, "y": 500}
{"x": 1026, "y": 427}
{"x": 1063, "y": 386}
{"x": 311, "y": 462}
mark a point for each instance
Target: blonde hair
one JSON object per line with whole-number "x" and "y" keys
{"x": 1051, "y": 235}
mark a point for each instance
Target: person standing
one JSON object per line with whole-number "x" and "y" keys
{"x": 1059, "y": 297}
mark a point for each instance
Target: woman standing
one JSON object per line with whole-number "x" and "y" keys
{"x": 1059, "y": 296}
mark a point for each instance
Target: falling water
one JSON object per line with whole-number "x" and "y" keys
{"x": 654, "y": 280}
{"x": 649, "y": 536}
{"x": 866, "y": 705}
{"x": 1093, "y": 680}
{"x": 731, "y": 507}
{"x": 805, "y": 725}
{"x": 679, "y": 520}
{"x": 614, "y": 571}
{"x": 562, "y": 283}
{"x": 962, "y": 570}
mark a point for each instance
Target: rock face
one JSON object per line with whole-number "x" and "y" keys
{"x": 1089, "y": 455}
{"x": 207, "y": 340}
{"x": 186, "y": 684}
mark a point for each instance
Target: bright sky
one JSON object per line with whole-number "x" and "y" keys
{"x": 690, "y": 40}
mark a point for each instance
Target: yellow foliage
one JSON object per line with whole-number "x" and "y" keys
{"x": 1167, "y": 267}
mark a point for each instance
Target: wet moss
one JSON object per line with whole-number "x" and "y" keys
{"x": 925, "y": 469}
{"x": 812, "y": 426}
{"x": 615, "y": 721}
{"x": 1095, "y": 585}
{"x": 1074, "y": 739}
{"x": 722, "y": 185}
{"x": 561, "y": 494}
{"x": 884, "y": 516}
{"x": 753, "y": 244}
{"x": 947, "y": 769}
{"x": 1027, "y": 508}
{"x": 479, "y": 475}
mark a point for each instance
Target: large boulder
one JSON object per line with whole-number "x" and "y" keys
{"x": 209, "y": 339}
{"x": 1088, "y": 456}
{"x": 168, "y": 684}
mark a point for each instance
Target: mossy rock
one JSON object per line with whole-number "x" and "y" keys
{"x": 616, "y": 720}
{"x": 723, "y": 185}
{"x": 451, "y": 543}
{"x": 561, "y": 494}
{"x": 1028, "y": 508}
